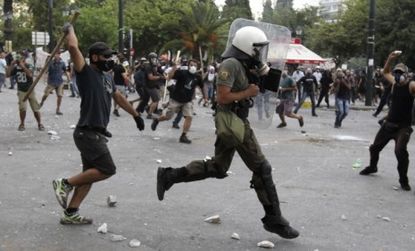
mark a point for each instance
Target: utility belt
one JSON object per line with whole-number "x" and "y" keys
{"x": 100, "y": 130}
{"x": 241, "y": 108}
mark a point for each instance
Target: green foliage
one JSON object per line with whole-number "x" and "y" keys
{"x": 267, "y": 12}
{"x": 236, "y": 9}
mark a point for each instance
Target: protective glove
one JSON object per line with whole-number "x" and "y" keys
{"x": 140, "y": 122}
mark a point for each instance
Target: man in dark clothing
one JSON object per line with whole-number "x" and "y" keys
{"x": 341, "y": 89}
{"x": 233, "y": 93}
{"x": 96, "y": 87}
{"x": 23, "y": 73}
{"x": 154, "y": 77}
{"x": 181, "y": 97}
{"x": 326, "y": 81}
{"x": 308, "y": 82}
{"x": 120, "y": 81}
{"x": 397, "y": 125}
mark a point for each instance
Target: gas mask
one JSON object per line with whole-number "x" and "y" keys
{"x": 105, "y": 65}
{"x": 399, "y": 77}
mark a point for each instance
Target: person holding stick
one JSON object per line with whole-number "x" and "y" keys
{"x": 96, "y": 87}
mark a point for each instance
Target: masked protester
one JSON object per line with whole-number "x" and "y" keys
{"x": 181, "y": 97}
{"x": 309, "y": 85}
{"x": 397, "y": 124}
{"x": 96, "y": 87}
{"x": 233, "y": 92}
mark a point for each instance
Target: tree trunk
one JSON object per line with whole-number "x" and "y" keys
{"x": 8, "y": 15}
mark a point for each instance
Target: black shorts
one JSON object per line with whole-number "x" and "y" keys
{"x": 94, "y": 150}
{"x": 154, "y": 94}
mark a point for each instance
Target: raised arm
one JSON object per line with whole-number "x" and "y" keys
{"x": 72, "y": 43}
{"x": 387, "y": 69}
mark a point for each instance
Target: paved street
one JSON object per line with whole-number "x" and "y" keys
{"x": 332, "y": 206}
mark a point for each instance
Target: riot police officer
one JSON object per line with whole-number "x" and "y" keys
{"x": 233, "y": 90}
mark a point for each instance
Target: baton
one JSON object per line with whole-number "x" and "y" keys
{"x": 52, "y": 54}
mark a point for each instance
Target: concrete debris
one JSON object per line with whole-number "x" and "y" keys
{"x": 395, "y": 188}
{"x": 103, "y": 229}
{"x": 215, "y": 219}
{"x": 111, "y": 200}
{"x": 235, "y": 236}
{"x": 72, "y": 126}
{"x": 378, "y": 216}
{"x": 265, "y": 244}
{"x": 207, "y": 158}
{"x": 229, "y": 172}
{"x": 54, "y": 137}
{"x": 117, "y": 237}
{"x": 10, "y": 153}
{"x": 386, "y": 219}
{"x": 343, "y": 217}
{"x": 52, "y": 132}
{"x": 134, "y": 243}
{"x": 159, "y": 161}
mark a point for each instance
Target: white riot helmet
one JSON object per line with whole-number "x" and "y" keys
{"x": 250, "y": 39}
{"x": 250, "y": 43}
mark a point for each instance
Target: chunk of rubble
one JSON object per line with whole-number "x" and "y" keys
{"x": 117, "y": 237}
{"x": 111, "y": 200}
{"x": 215, "y": 219}
{"x": 386, "y": 219}
{"x": 51, "y": 132}
{"x": 395, "y": 188}
{"x": 235, "y": 236}
{"x": 343, "y": 217}
{"x": 103, "y": 229}
{"x": 54, "y": 137}
{"x": 265, "y": 244}
{"x": 10, "y": 153}
{"x": 159, "y": 161}
{"x": 134, "y": 243}
{"x": 72, "y": 126}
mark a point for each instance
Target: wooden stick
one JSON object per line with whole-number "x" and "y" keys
{"x": 52, "y": 54}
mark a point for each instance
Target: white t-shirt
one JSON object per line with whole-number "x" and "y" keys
{"x": 297, "y": 75}
{"x": 3, "y": 66}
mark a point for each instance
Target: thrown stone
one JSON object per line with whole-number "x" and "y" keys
{"x": 103, "y": 229}
{"x": 111, "y": 200}
{"x": 386, "y": 219}
{"x": 235, "y": 236}
{"x": 265, "y": 244}
{"x": 215, "y": 219}
{"x": 117, "y": 237}
{"x": 134, "y": 243}
{"x": 52, "y": 132}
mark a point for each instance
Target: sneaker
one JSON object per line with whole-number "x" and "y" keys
{"x": 59, "y": 113}
{"x": 154, "y": 124}
{"x": 61, "y": 192}
{"x": 314, "y": 115}
{"x": 176, "y": 126}
{"x": 184, "y": 139}
{"x": 301, "y": 121}
{"x": 281, "y": 125}
{"x": 21, "y": 128}
{"x": 41, "y": 127}
{"x": 375, "y": 114}
{"x": 74, "y": 219}
{"x": 116, "y": 113}
{"x": 368, "y": 170}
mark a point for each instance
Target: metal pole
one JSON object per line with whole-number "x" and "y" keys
{"x": 120, "y": 26}
{"x": 50, "y": 30}
{"x": 370, "y": 53}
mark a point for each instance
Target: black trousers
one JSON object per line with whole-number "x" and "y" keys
{"x": 401, "y": 136}
{"x": 324, "y": 93}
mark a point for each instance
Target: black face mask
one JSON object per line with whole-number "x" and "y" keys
{"x": 105, "y": 65}
{"x": 398, "y": 75}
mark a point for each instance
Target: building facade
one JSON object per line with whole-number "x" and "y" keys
{"x": 329, "y": 10}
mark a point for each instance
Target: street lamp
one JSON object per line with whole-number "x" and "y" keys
{"x": 370, "y": 53}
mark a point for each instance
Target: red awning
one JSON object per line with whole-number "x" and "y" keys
{"x": 299, "y": 54}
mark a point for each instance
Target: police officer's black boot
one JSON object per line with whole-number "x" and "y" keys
{"x": 166, "y": 177}
{"x": 273, "y": 221}
{"x": 279, "y": 225}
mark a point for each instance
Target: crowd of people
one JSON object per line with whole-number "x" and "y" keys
{"x": 167, "y": 88}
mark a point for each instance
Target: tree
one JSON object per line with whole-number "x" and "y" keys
{"x": 8, "y": 16}
{"x": 197, "y": 30}
{"x": 236, "y": 9}
{"x": 267, "y": 12}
